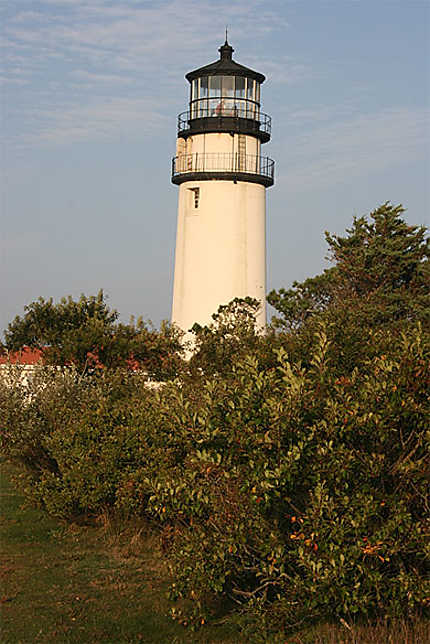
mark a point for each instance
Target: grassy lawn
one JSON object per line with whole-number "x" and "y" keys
{"x": 62, "y": 583}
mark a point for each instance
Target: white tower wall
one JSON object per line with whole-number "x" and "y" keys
{"x": 218, "y": 143}
{"x": 220, "y": 249}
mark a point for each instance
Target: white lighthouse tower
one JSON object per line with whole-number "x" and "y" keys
{"x": 222, "y": 178}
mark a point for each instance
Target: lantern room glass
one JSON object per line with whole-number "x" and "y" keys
{"x": 223, "y": 95}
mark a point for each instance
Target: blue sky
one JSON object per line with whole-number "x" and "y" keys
{"x": 90, "y": 94}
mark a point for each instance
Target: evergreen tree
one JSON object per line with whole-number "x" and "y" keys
{"x": 382, "y": 266}
{"x": 380, "y": 281}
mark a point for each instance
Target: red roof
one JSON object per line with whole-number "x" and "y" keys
{"x": 23, "y": 356}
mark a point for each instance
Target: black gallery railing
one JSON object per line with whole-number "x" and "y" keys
{"x": 223, "y": 163}
{"x": 262, "y": 121}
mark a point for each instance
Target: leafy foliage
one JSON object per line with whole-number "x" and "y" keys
{"x": 303, "y": 300}
{"x": 232, "y": 334}
{"x": 87, "y": 334}
{"x": 287, "y": 472}
{"x": 295, "y": 493}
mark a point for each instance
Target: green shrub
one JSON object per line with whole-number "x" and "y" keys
{"x": 293, "y": 493}
{"x": 299, "y": 494}
{"x": 75, "y": 435}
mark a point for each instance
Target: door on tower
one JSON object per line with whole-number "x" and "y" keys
{"x": 241, "y": 153}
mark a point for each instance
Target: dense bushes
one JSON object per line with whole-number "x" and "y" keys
{"x": 87, "y": 335}
{"x": 301, "y": 495}
{"x": 293, "y": 492}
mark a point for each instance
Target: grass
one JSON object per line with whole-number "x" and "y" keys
{"x": 87, "y": 584}
{"x": 398, "y": 632}
{"x": 71, "y": 583}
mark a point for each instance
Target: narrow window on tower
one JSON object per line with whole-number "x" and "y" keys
{"x": 195, "y": 198}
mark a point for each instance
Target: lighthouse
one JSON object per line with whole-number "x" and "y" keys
{"x": 222, "y": 178}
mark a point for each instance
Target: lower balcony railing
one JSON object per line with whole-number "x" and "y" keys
{"x": 245, "y": 167}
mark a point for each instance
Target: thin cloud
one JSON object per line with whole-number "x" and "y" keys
{"x": 288, "y": 71}
{"x": 7, "y": 80}
{"x": 77, "y": 53}
{"x": 99, "y": 121}
{"x": 163, "y": 28}
{"x": 362, "y": 145}
{"x": 95, "y": 77}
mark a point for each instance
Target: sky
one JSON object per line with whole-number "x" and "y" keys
{"x": 90, "y": 93}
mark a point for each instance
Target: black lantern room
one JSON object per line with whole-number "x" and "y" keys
{"x": 225, "y": 97}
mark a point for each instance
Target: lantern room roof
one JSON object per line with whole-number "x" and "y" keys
{"x": 225, "y": 66}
